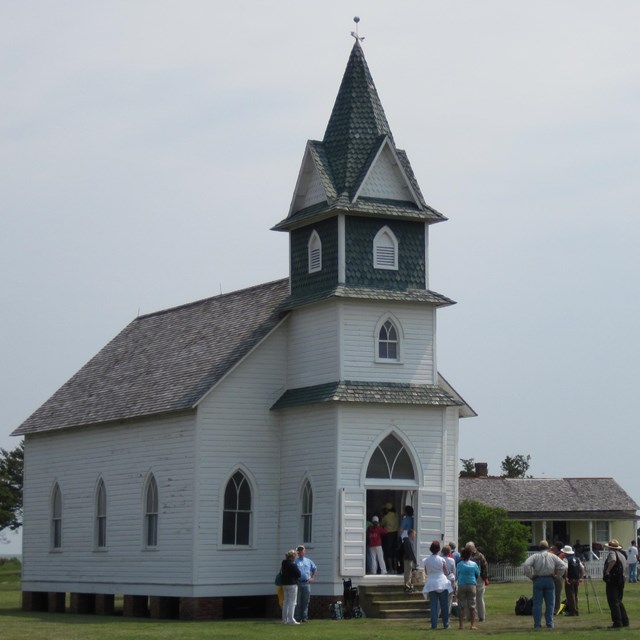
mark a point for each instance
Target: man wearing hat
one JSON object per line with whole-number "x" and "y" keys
{"x": 614, "y": 568}
{"x": 540, "y": 568}
{"x": 308, "y": 570}
{"x": 573, "y": 579}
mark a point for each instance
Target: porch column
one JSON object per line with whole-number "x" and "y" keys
{"x": 590, "y": 539}
{"x": 544, "y": 529}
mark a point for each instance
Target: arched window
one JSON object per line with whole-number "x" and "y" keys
{"x": 390, "y": 461}
{"x": 151, "y": 513}
{"x": 56, "y": 517}
{"x": 385, "y": 250}
{"x": 101, "y": 516}
{"x": 315, "y": 253}
{"x": 236, "y": 520}
{"x": 388, "y": 342}
{"x": 307, "y": 512}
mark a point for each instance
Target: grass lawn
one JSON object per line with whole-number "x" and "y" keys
{"x": 500, "y": 600}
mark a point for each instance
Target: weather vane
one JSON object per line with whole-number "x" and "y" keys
{"x": 355, "y": 33}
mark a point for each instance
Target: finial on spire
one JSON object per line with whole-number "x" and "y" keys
{"x": 355, "y": 33}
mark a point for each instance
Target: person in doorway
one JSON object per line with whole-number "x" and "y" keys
{"x": 409, "y": 559}
{"x": 374, "y": 548}
{"x": 290, "y": 576}
{"x": 436, "y": 585}
{"x": 308, "y": 570}
{"x": 632, "y": 561}
{"x": 540, "y": 569}
{"x": 482, "y": 581}
{"x": 390, "y": 539}
{"x": 573, "y": 579}
{"x": 468, "y": 574}
{"x": 613, "y": 575}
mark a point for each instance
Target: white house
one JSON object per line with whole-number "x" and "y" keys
{"x": 177, "y": 466}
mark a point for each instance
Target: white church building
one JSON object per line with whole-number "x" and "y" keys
{"x": 181, "y": 462}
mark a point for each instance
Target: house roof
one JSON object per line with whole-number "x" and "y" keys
{"x": 559, "y": 498}
{"x": 165, "y": 361}
{"x": 356, "y": 133}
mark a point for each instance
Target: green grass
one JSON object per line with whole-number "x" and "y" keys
{"x": 501, "y": 621}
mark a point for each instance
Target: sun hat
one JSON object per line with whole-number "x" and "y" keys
{"x": 568, "y": 549}
{"x": 613, "y": 544}
{"x": 375, "y": 519}
{"x": 543, "y": 544}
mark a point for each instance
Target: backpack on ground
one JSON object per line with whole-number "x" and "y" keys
{"x": 524, "y": 606}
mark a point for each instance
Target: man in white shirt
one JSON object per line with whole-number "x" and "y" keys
{"x": 632, "y": 562}
{"x": 540, "y": 568}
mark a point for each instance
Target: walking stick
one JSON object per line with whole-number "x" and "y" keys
{"x": 595, "y": 593}
{"x": 586, "y": 591}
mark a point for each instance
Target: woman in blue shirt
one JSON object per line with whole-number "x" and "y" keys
{"x": 468, "y": 574}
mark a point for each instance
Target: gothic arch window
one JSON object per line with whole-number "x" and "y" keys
{"x": 385, "y": 250}
{"x": 101, "y": 516}
{"x": 388, "y": 340}
{"x": 236, "y": 518}
{"x": 56, "y": 517}
{"x": 307, "y": 512}
{"x": 391, "y": 461}
{"x": 151, "y": 513}
{"x": 315, "y": 253}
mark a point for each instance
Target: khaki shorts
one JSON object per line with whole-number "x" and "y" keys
{"x": 467, "y": 597}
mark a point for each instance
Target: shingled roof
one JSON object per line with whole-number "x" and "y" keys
{"x": 552, "y": 498}
{"x": 356, "y": 133}
{"x": 165, "y": 361}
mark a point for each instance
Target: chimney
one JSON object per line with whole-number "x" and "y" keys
{"x": 482, "y": 469}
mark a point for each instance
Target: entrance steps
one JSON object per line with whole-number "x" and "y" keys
{"x": 390, "y": 601}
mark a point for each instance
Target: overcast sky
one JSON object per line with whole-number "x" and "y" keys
{"x": 147, "y": 147}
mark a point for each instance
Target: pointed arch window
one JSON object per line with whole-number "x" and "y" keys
{"x": 391, "y": 461}
{"x": 236, "y": 519}
{"x": 385, "y": 250}
{"x": 315, "y": 253}
{"x": 151, "y": 513}
{"x": 101, "y": 516}
{"x": 307, "y": 512}
{"x": 388, "y": 343}
{"x": 56, "y": 517}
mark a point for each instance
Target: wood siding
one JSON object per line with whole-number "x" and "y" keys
{"x": 122, "y": 456}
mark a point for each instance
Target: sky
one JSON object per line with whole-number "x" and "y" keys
{"x": 147, "y": 147}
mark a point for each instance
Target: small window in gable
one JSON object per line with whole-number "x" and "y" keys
{"x": 101, "y": 516}
{"x": 315, "y": 253}
{"x": 385, "y": 250}
{"x": 390, "y": 461}
{"x": 388, "y": 342}
{"x": 307, "y": 512}
{"x": 56, "y": 517}
{"x": 236, "y": 519}
{"x": 151, "y": 513}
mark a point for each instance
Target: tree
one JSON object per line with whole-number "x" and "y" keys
{"x": 468, "y": 468}
{"x": 11, "y": 468}
{"x": 515, "y": 466}
{"x": 498, "y": 536}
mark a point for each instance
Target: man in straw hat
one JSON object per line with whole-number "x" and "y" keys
{"x": 573, "y": 579}
{"x": 540, "y": 568}
{"x": 613, "y": 575}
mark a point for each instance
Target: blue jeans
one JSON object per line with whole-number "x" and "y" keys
{"x": 543, "y": 589}
{"x": 302, "y": 606}
{"x": 439, "y": 601}
{"x": 633, "y": 572}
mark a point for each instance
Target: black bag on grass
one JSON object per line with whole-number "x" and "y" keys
{"x": 524, "y": 606}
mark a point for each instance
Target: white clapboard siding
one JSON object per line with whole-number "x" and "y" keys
{"x": 313, "y": 356}
{"x": 123, "y": 456}
{"x": 431, "y": 507}
{"x": 353, "y": 503}
{"x": 237, "y": 430}
{"x": 451, "y": 421}
{"x": 359, "y": 342}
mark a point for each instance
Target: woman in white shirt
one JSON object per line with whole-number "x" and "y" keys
{"x": 437, "y": 585}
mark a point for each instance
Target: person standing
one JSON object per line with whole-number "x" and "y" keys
{"x": 409, "y": 559}
{"x": 540, "y": 568}
{"x": 468, "y": 574}
{"x": 390, "y": 538}
{"x": 632, "y": 561}
{"x": 613, "y": 575}
{"x": 290, "y": 576}
{"x": 482, "y": 581}
{"x": 573, "y": 579}
{"x": 308, "y": 570}
{"x": 437, "y": 585}
{"x": 374, "y": 550}
{"x": 455, "y": 554}
{"x": 558, "y": 579}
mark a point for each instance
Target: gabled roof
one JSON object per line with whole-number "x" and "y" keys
{"x": 357, "y": 143}
{"x": 165, "y": 361}
{"x": 553, "y": 498}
